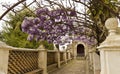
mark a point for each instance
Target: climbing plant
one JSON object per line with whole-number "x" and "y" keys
{"x": 51, "y": 25}
{"x": 57, "y": 18}
{"x": 99, "y": 11}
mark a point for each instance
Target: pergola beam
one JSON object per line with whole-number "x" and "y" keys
{"x": 11, "y": 8}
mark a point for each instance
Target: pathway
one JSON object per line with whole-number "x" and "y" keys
{"x": 74, "y": 67}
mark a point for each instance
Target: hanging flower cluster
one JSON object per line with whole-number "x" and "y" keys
{"x": 51, "y": 25}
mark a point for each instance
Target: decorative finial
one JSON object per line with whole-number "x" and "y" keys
{"x": 111, "y": 24}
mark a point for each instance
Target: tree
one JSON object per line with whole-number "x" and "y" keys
{"x": 13, "y": 35}
{"x": 99, "y": 11}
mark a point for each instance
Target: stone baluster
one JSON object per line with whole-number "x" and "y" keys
{"x": 4, "y": 57}
{"x": 42, "y": 59}
{"x": 65, "y": 57}
{"x": 57, "y": 56}
{"x": 69, "y": 54}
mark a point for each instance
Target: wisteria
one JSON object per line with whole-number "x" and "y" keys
{"x": 52, "y": 25}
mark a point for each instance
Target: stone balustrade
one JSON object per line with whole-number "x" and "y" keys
{"x": 22, "y": 60}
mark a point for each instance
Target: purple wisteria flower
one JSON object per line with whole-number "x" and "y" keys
{"x": 51, "y": 25}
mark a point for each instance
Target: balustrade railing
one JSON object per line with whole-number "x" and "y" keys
{"x": 29, "y": 61}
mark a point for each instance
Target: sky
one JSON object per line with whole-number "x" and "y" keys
{"x": 2, "y": 10}
{"x": 4, "y": 1}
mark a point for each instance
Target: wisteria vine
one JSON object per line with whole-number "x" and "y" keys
{"x": 51, "y": 25}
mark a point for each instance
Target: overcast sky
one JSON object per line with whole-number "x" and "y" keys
{"x": 2, "y": 10}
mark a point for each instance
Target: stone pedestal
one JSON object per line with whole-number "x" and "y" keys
{"x": 110, "y": 61}
{"x": 110, "y": 49}
{"x": 91, "y": 59}
{"x": 57, "y": 58}
{"x": 69, "y": 55}
{"x": 65, "y": 57}
{"x": 96, "y": 63}
{"x": 42, "y": 59}
{"x": 4, "y": 57}
{"x": 74, "y": 53}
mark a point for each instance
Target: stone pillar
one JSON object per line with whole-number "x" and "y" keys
{"x": 91, "y": 55}
{"x": 57, "y": 56}
{"x": 69, "y": 55}
{"x": 96, "y": 63}
{"x": 87, "y": 64}
{"x": 42, "y": 59}
{"x": 110, "y": 49}
{"x": 74, "y": 52}
{"x": 91, "y": 59}
{"x": 4, "y": 57}
{"x": 65, "y": 57}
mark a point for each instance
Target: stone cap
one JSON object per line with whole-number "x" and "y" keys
{"x": 41, "y": 47}
{"x": 3, "y": 45}
{"x": 7, "y": 47}
{"x": 113, "y": 39}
